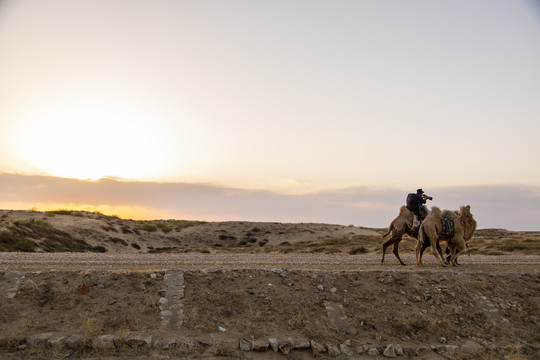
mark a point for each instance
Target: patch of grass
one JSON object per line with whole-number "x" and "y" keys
{"x": 480, "y": 284}
{"x": 166, "y": 228}
{"x": 12, "y": 242}
{"x": 91, "y": 327}
{"x": 59, "y": 212}
{"x": 42, "y": 223}
{"x": 180, "y": 224}
{"x": 149, "y": 227}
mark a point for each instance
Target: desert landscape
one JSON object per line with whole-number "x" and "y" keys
{"x": 85, "y": 285}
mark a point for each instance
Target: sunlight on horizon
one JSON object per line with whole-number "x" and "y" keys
{"x": 92, "y": 136}
{"x": 127, "y": 212}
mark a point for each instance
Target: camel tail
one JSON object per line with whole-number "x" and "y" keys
{"x": 388, "y": 232}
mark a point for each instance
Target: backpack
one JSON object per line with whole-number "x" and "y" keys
{"x": 412, "y": 202}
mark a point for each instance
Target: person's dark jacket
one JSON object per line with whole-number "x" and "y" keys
{"x": 414, "y": 201}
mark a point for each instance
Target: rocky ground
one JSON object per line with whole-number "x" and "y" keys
{"x": 297, "y": 291}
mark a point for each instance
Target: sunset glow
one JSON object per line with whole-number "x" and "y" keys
{"x": 90, "y": 137}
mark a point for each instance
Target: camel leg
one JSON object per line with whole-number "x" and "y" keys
{"x": 453, "y": 255}
{"x": 387, "y": 243}
{"x": 417, "y": 252}
{"x": 457, "y": 245}
{"x": 439, "y": 250}
{"x": 424, "y": 247}
{"x": 395, "y": 250}
{"x": 434, "y": 250}
{"x": 449, "y": 255}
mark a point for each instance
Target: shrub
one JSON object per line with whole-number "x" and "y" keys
{"x": 149, "y": 227}
{"x": 359, "y": 250}
{"x": 59, "y": 212}
{"x": 42, "y": 223}
{"x": 12, "y": 242}
{"x": 180, "y": 224}
{"x": 166, "y": 228}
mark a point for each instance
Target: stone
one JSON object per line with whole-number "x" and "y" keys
{"x": 56, "y": 342}
{"x": 335, "y": 314}
{"x": 317, "y": 348}
{"x": 273, "y": 344}
{"x": 163, "y": 301}
{"x": 260, "y": 345}
{"x": 320, "y": 287}
{"x": 73, "y": 342}
{"x": 360, "y": 349}
{"x": 390, "y": 351}
{"x": 165, "y": 313}
{"x": 399, "y": 349}
{"x": 112, "y": 302}
{"x": 162, "y": 293}
{"x": 423, "y": 350}
{"x": 205, "y": 343}
{"x": 472, "y": 348}
{"x": 332, "y": 350}
{"x": 373, "y": 352}
{"x": 302, "y": 345}
{"x": 83, "y": 289}
{"x": 104, "y": 342}
{"x": 345, "y": 349}
{"x": 167, "y": 344}
{"x": 285, "y": 346}
{"x": 450, "y": 349}
{"x": 139, "y": 341}
{"x": 39, "y": 339}
{"x": 244, "y": 345}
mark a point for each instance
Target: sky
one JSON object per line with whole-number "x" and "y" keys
{"x": 291, "y": 111}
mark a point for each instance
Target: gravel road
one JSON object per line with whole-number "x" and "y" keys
{"x": 155, "y": 262}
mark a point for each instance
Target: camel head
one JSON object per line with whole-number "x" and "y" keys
{"x": 465, "y": 210}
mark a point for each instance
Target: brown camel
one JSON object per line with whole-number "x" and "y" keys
{"x": 431, "y": 232}
{"x": 401, "y": 225}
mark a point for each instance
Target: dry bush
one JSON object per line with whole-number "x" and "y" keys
{"x": 91, "y": 327}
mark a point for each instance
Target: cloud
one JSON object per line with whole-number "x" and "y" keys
{"x": 514, "y": 207}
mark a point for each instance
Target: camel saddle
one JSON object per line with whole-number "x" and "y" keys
{"x": 447, "y": 227}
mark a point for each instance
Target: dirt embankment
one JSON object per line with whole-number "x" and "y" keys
{"x": 430, "y": 314}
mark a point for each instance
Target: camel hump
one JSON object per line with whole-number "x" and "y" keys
{"x": 403, "y": 210}
{"x": 449, "y": 214}
{"x": 435, "y": 211}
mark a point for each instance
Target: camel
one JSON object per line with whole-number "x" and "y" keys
{"x": 401, "y": 225}
{"x": 431, "y": 231}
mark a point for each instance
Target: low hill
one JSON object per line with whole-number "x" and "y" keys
{"x": 79, "y": 231}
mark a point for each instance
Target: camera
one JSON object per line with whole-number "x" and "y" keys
{"x": 427, "y": 197}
